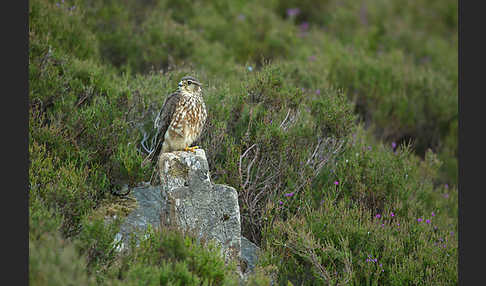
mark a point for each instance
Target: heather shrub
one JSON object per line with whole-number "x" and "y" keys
{"x": 53, "y": 261}
{"x": 422, "y": 103}
{"x": 69, "y": 189}
{"x": 341, "y": 244}
{"x": 170, "y": 257}
{"x": 394, "y": 65}
{"x": 375, "y": 175}
{"x": 57, "y": 26}
{"x": 278, "y": 139}
{"x": 97, "y": 243}
{"x": 388, "y": 222}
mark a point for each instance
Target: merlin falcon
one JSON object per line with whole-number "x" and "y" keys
{"x": 180, "y": 121}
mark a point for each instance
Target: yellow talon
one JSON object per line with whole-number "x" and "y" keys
{"x": 192, "y": 149}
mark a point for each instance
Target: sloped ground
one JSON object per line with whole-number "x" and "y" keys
{"x": 336, "y": 121}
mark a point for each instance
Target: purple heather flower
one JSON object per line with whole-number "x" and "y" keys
{"x": 392, "y": 214}
{"x": 435, "y": 227}
{"x": 427, "y": 221}
{"x": 446, "y": 186}
{"x": 336, "y": 183}
{"x": 378, "y": 216}
{"x": 394, "y": 145}
{"x": 289, "y": 194}
{"x": 446, "y": 195}
{"x": 369, "y": 148}
{"x": 293, "y": 11}
{"x": 381, "y": 265}
{"x": 318, "y": 91}
{"x": 398, "y": 224}
{"x": 303, "y": 89}
{"x": 57, "y": 4}
{"x": 312, "y": 58}
{"x": 280, "y": 202}
{"x": 419, "y": 219}
{"x": 375, "y": 260}
{"x": 382, "y": 225}
{"x": 433, "y": 214}
{"x": 304, "y": 26}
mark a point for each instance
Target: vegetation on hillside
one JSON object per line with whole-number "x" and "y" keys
{"x": 336, "y": 121}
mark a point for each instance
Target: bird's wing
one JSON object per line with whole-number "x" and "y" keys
{"x": 161, "y": 124}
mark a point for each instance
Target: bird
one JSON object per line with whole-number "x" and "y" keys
{"x": 180, "y": 121}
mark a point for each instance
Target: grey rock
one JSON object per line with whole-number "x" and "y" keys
{"x": 187, "y": 199}
{"x": 249, "y": 252}
{"x": 150, "y": 204}
{"x": 208, "y": 210}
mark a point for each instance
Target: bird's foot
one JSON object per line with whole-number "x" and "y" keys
{"x": 192, "y": 149}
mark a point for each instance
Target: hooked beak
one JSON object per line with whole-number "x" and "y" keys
{"x": 180, "y": 84}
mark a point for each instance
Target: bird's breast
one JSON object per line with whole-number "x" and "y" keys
{"x": 189, "y": 117}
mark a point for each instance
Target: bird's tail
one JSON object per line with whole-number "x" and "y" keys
{"x": 154, "y": 152}
{"x": 150, "y": 150}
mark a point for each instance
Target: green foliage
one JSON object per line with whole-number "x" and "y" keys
{"x": 300, "y": 95}
{"x": 97, "y": 242}
{"x": 368, "y": 209}
{"x": 337, "y": 243}
{"x": 377, "y": 176}
{"x": 58, "y": 27}
{"x": 170, "y": 257}
{"x": 69, "y": 189}
{"x": 42, "y": 220}
{"x": 53, "y": 261}
{"x": 277, "y": 139}
{"x": 402, "y": 105}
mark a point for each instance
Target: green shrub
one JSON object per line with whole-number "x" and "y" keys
{"x": 71, "y": 190}
{"x": 97, "y": 243}
{"x": 42, "y": 220}
{"x": 277, "y": 139}
{"x": 338, "y": 243}
{"x": 170, "y": 257}
{"x": 376, "y": 175}
{"x": 421, "y": 104}
{"x": 58, "y": 26}
{"x": 52, "y": 261}
{"x": 395, "y": 65}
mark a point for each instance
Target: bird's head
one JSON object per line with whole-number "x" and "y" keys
{"x": 189, "y": 84}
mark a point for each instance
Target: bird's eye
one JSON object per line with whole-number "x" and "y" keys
{"x": 189, "y": 82}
